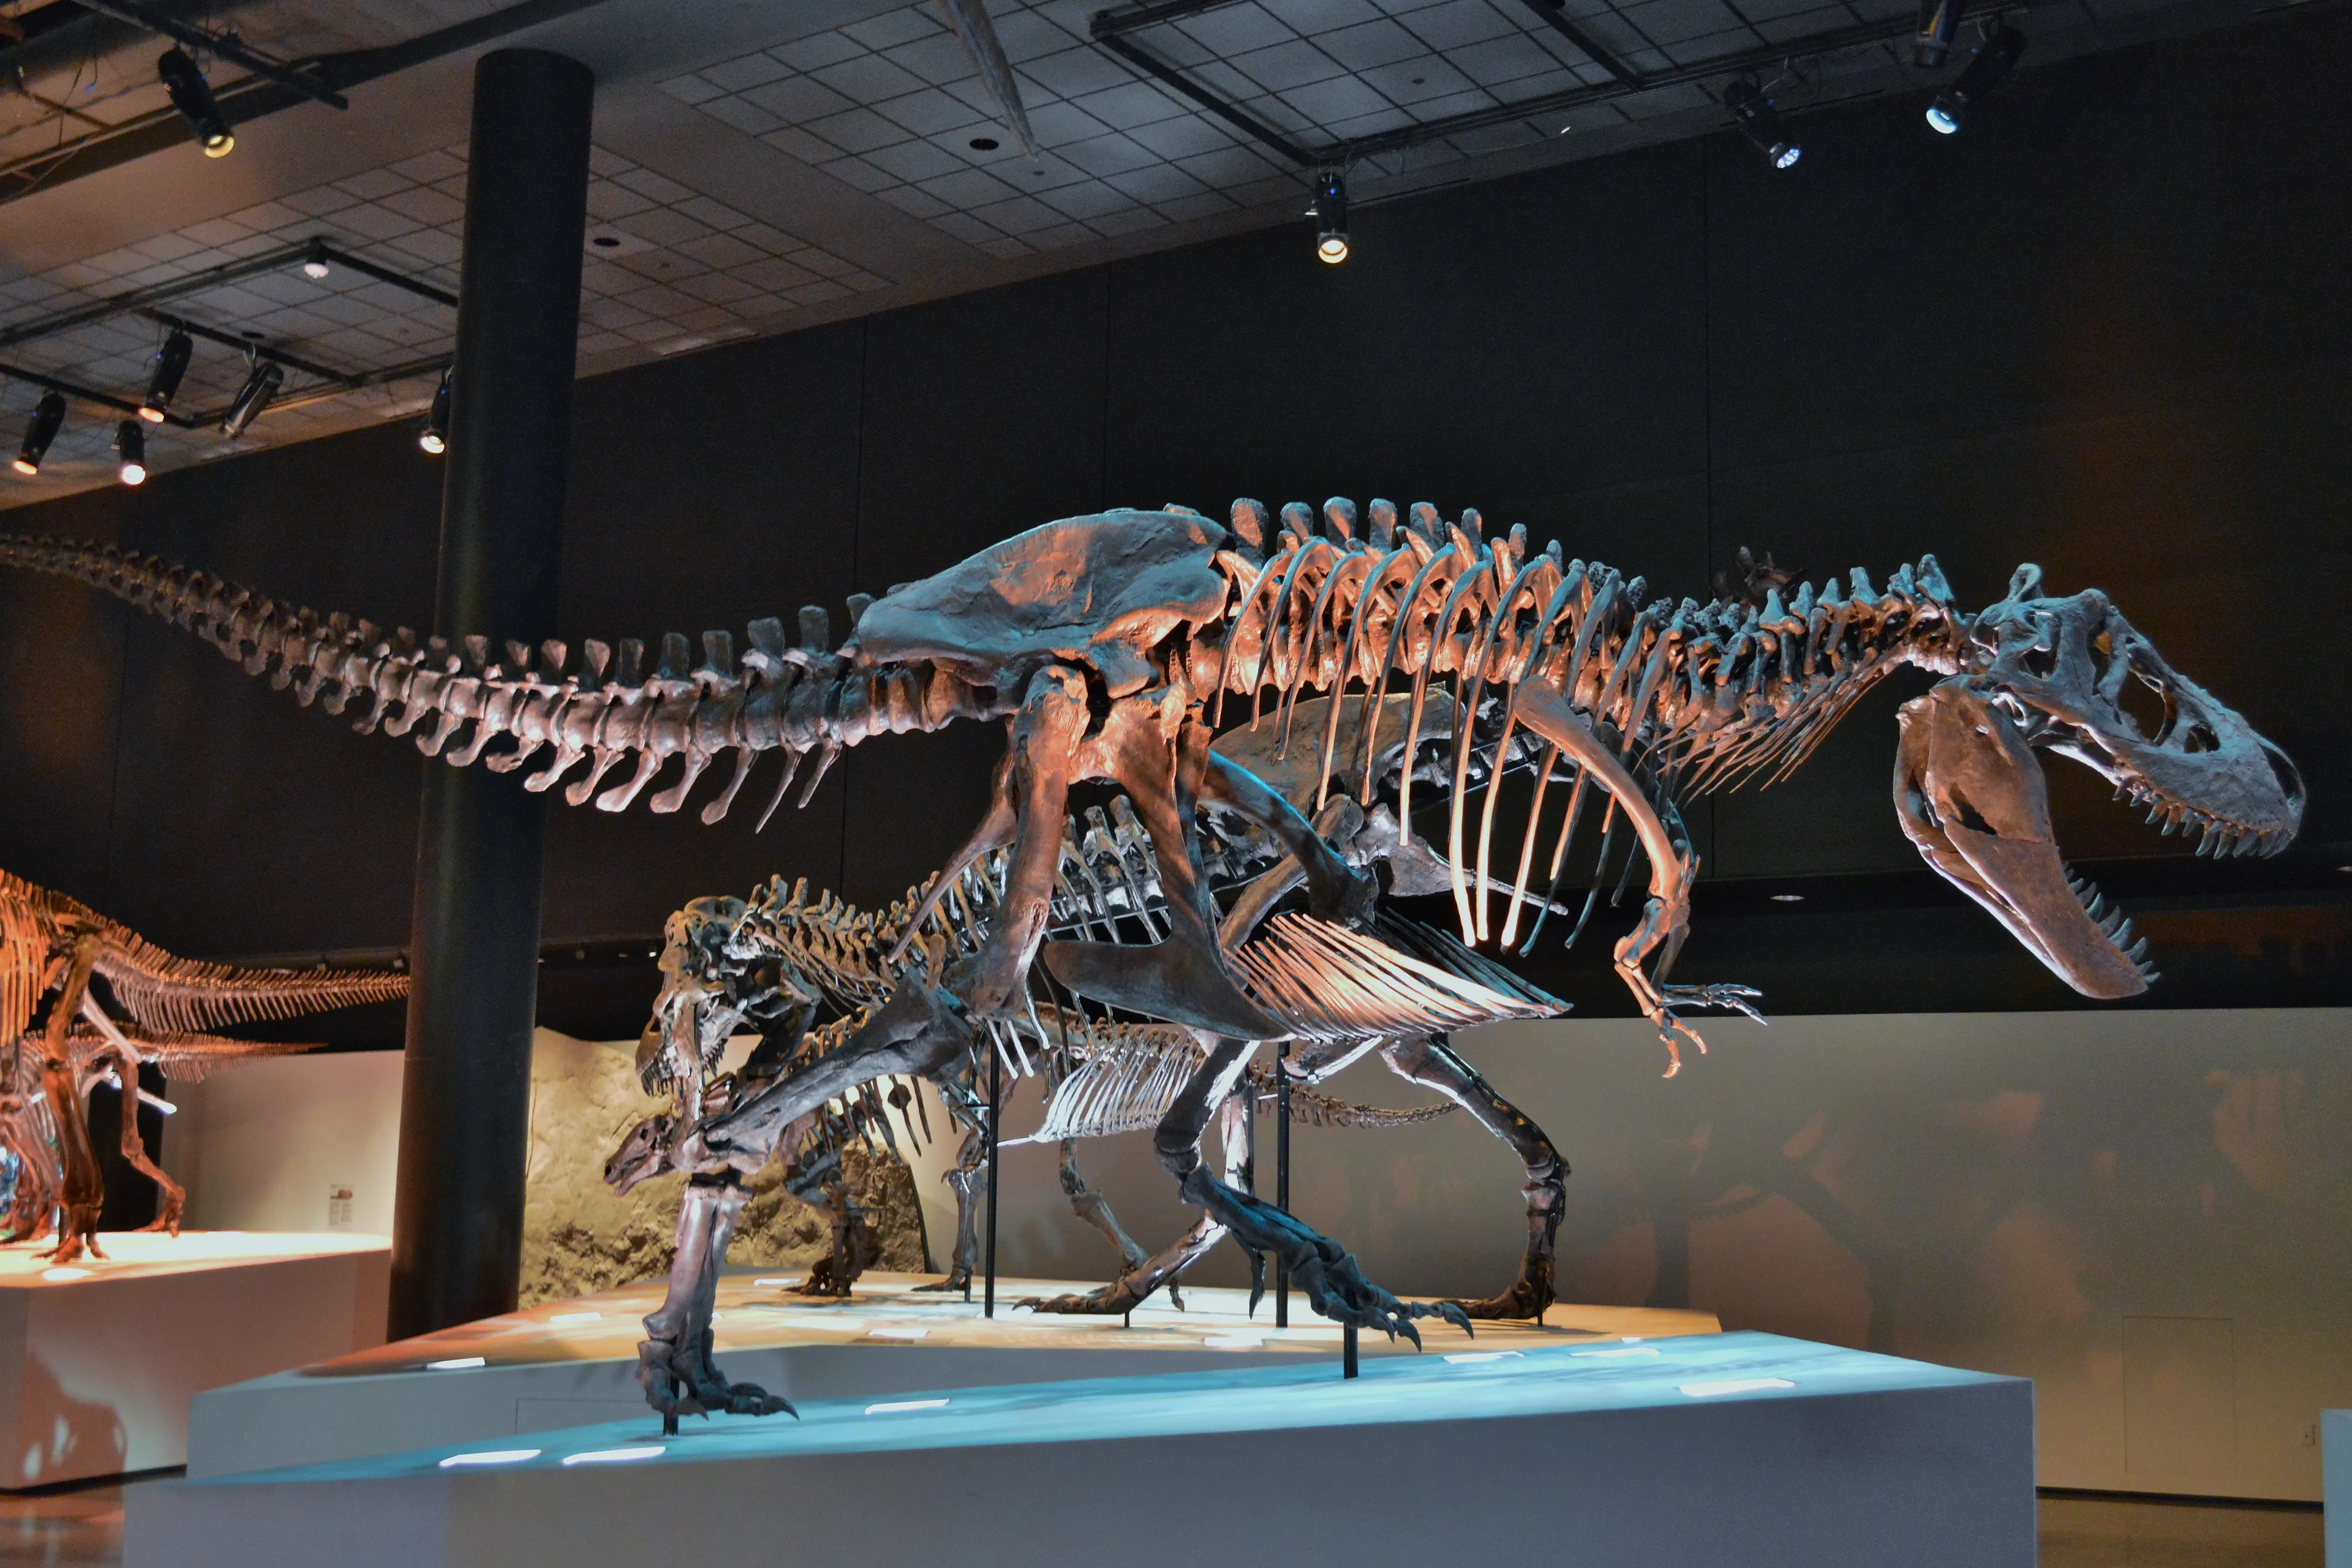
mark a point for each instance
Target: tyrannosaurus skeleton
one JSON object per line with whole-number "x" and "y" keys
{"x": 51, "y": 943}
{"x": 1111, "y": 645}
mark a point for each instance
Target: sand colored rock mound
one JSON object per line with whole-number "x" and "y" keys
{"x": 578, "y": 1237}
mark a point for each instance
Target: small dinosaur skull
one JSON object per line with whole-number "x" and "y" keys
{"x": 2052, "y": 673}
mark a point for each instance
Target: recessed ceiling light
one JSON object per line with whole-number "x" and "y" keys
{"x": 1788, "y": 898}
{"x": 984, "y": 143}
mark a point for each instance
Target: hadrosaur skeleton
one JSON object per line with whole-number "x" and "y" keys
{"x": 770, "y": 961}
{"x": 54, "y": 947}
{"x": 1113, "y": 645}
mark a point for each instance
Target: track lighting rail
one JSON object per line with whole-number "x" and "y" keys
{"x": 1114, "y": 31}
{"x": 138, "y": 301}
{"x": 222, "y": 46}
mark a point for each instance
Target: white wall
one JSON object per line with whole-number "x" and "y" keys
{"x": 2148, "y": 1213}
{"x": 259, "y": 1145}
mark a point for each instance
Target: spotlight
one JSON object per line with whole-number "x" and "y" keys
{"x": 48, "y": 414}
{"x": 434, "y": 437}
{"x": 314, "y": 267}
{"x": 171, "y": 363}
{"x": 1331, "y": 214}
{"x": 1995, "y": 63}
{"x": 1761, "y": 123}
{"x": 193, "y": 98}
{"x": 1940, "y": 23}
{"x": 131, "y": 445}
{"x": 253, "y": 397}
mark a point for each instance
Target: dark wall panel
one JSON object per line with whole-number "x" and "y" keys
{"x": 61, "y": 661}
{"x": 242, "y": 822}
{"x": 983, "y": 418}
{"x": 1533, "y": 348}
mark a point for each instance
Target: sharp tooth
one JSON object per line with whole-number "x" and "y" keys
{"x": 2122, "y": 935}
{"x": 2112, "y": 924}
{"x": 2137, "y": 950}
{"x": 2096, "y": 906}
{"x": 2150, "y": 975}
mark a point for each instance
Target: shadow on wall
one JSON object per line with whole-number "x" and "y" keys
{"x": 2151, "y": 1214}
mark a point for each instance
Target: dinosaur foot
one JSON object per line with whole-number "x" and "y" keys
{"x": 682, "y": 1382}
{"x": 1114, "y": 1299}
{"x": 958, "y": 1280}
{"x": 1320, "y": 1267}
{"x": 1529, "y": 1294}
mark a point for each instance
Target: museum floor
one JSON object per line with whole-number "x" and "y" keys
{"x": 83, "y": 1525}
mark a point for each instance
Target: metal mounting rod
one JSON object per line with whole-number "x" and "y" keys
{"x": 995, "y": 1106}
{"x": 228, "y": 46}
{"x": 1282, "y": 1176}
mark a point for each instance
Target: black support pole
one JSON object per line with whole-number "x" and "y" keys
{"x": 465, "y": 1100}
{"x": 1282, "y": 1176}
{"x": 995, "y": 1143}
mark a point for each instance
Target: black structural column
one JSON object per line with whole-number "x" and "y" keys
{"x": 465, "y": 1101}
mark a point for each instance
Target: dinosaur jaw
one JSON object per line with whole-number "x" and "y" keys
{"x": 1970, "y": 796}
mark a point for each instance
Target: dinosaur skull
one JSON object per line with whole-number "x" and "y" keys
{"x": 2054, "y": 674}
{"x": 696, "y": 1011}
{"x": 643, "y": 1155}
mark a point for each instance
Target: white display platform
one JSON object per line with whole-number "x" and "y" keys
{"x": 1723, "y": 1449}
{"x": 571, "y": 1362}
{"x": 2335, "y": 1482}
{"x": 98, "y": 1360}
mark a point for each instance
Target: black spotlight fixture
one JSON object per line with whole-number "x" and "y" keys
{"x": 1940, "y": 23}
{"x": 193, "y": 97}
{"x": 260, "y": 387}
{"x": 171, "y": 363}
{"x": 1988, "y": 73}
{"x": 434, "y": 437}
{"x": 1761, "y": 123}
{"x": 130, "y": 446}
{"x": 48, "y": 417}
{"x": 1331, "y": 214}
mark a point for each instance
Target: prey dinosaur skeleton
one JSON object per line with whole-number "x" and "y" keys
{"x": 1113, "y": 646}
{"x": 773, "y": 959}
{"x": 53, "y": 947}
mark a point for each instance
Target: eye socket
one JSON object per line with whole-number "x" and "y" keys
{"x": 2038, "y": 660}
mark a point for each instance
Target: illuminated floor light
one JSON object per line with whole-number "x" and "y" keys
{"x": 1617, "y": 1355}
{"x": 62, "y": 1275}
{"x": 895, "y": 1334}
{"x": 575, "y": 1317}
{"x": 892, "y": 1408}
{"x": 490, "y": 1457}
{"x": 456, "y": 1364}
{"x": 1233, "y": 1342}
{"x": 616, "y": 1456}
{"x": 1735, "y": 1385}
{"x": 781, "y": 1284}
{"x": 1467, "y": 1357}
